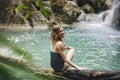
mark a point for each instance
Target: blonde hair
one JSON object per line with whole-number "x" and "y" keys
{"x": 55, "y": 35}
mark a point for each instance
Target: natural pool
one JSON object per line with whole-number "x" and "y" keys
{"x": 97, "y": 46}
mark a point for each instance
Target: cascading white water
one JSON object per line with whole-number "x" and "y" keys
{"x": 111, "y": 11}
{"x": 107, "y": 16}
{"x": 116, "y": 16}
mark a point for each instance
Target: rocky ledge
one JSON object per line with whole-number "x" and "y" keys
{"x": 11, "y": 65}
{"x": 92, "y": 75}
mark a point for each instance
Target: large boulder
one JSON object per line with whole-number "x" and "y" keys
{"x": 97, "y": 5}
{"x": 87, "y": 8}
{"x": 57, "y": 6}
{"x": 71, "y": 11}
{"x": 64, "y": 11}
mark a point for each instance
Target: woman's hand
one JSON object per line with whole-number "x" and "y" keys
{"x": 81, "y": 69}
{"x": 68, "y": 48}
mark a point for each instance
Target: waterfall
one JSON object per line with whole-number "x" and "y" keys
{"x": 116, "y": 16}
{"x": 111, "y": 16}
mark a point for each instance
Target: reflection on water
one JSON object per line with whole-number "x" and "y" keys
{"x": 97, "y": 46}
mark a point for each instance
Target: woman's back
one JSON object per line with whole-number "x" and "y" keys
{"x": 57, "y": 62}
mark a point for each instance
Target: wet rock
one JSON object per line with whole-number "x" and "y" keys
{"x": 7, "y": 13}
{"x": 87, "y": 8}
{"x": 92, "y": 75}
{"x": 57, "y": 6}
{"x": 81, "y": 2}
{"x": 87, "y": 17}
{"x": 20, "y": 12}
{"x": 64, "y": 11}
{"x": 97, "y": 5}
{"x": 71, "y": 11}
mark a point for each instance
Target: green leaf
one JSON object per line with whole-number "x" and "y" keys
{"x": 43, "y": 10}
{"x": 15, "y": 48}
{"x": 16, "y": 10}
{"x": 24, "y": 7}
{"x": 7, "y": 71}
{"x": 26, "y": 16}
{"x": 37, "y": 3}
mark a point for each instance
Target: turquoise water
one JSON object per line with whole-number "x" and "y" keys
{"x": 97, "y": 46}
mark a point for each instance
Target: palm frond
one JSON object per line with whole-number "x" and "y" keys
{"x": 15, "y": 48}
{"x": 42, "y": 9}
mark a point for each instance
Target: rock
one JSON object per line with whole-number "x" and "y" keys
{"x": 87, "y": 8}
{"x": 104, "y": 15}
{"x": 7, "y": 14}
{"x": 92, "y": 75}
{"x": 71, "y": 11}
{"x": 64, "y": 11}
{"x": 57, "y": 6}
{"x": 87, "y": 17}
{"x": 109, "y": 3}
{"x": 97, "y": 5}
{"x": 81, "y": 2}
{"x": 14, "y": 12}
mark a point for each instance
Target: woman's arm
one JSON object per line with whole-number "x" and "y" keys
{"x": 68, "y": 48}
{"x": 60, "y": 48}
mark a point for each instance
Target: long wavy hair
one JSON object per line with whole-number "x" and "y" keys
{"x": 55, "y": 35}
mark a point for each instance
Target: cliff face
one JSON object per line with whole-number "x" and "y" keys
{"x": 65, "y": 11}
{"x": 4, "y": 4}
{"x": 19, "y": 12}
{"x": 94, "y": 6}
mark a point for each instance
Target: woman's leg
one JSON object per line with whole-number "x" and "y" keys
{"x": 70, "y": 55}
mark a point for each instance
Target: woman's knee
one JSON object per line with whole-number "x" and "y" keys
{"x": 72, "y": 51}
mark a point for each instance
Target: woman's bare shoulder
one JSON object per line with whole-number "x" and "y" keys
{"x": 59, "y": 43}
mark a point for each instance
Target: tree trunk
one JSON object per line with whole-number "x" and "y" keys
{"x": 92, "y": 75}
{"x": 68, "y": 75}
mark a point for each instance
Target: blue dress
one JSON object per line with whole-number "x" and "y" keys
{"x": 57, "y": 62}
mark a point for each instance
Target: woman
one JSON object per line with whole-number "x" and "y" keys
{"x": 60, "y": 61}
